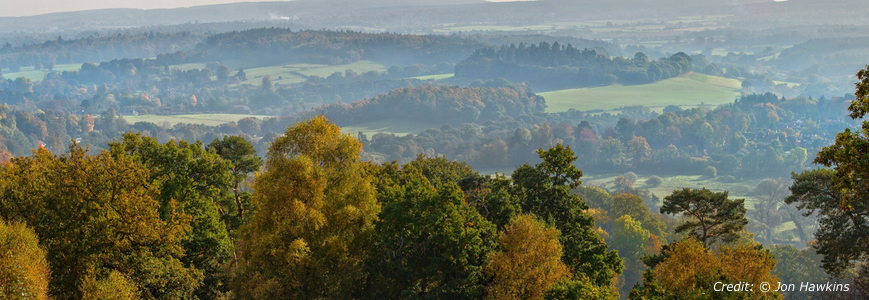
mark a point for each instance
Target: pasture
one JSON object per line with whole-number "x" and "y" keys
{"x": 435, "y": 77}
{"x": 34, "y": 75}
{"x": 285, "y": 74}
{"x": 689, "y": 90}
{"x": 742, "y": 188}
{"x": 392, "y": 126}
{"x": 202, "y": 119}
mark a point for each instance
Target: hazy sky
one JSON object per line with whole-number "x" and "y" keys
{"x": 16, "y": 8}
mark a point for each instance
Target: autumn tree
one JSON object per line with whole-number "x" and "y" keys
{"x": 529, "y": 261}
{"x": 24, "y": 272}
{"x": 99, "y": 214}
{"x": 316, "y": 209}
{"x": 690, "y": 270}
{"x": 632, "y": 205}
{"x": 771, "y": 194}
{"x": 710, "y": 216}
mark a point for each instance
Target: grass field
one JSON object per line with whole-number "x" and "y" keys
{"x": 285, "y": 73}
{"x": 204, "y": 119}
{"x": 393, "y": 126}
{"x": 740, "y": 189}
{"x": 434, "y": 77}
{"x": 689, "y": 90}
{"x": 34, "y": 75}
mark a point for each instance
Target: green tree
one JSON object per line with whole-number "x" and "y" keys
{"x": 244, "y": 160}
{"x": 195, "y": 178}
{"x": 545, "y": 191}
{"x": 710, "y": 216}
{"x": 316, "y": 210}
{"x": 430, "y": 243}
{"x": 629, "y": 239}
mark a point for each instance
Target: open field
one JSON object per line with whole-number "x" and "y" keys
{"x": 393, "y": 126}
{"x": 285, "y": 74}
{"x": 204, "y": 119}
{"x": 34, "y": 75}
{"x": 434, "y": 77}
{"x": 740, "y": 189}
{"x": 689, "y": 90}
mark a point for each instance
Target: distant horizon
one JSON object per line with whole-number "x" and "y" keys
{"x": 42, "y": 7}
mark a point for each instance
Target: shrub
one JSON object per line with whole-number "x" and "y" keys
{"x": 710, "y": 171}
{"x": 654, "y": 181}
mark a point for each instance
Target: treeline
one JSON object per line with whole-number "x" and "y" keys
{"x": 758, "y": 135}
{"x": 440, "y": 104}
{"x": 270, "y": 46}
{"x": 555, "y": 66}
{"x": 95, "y": 49}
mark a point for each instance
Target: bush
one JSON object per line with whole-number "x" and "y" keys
{"x": 729, "y": 178}
{"x": 654, "y": 181}
{"x": 710, "y": 171}
{"x": 631, "y": 176}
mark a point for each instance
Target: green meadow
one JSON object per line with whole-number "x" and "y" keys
{"x": 690, "y": 90}
{"x": 34, "y": 75}
{"x": 203, "y": 119}
{"x": 285, "y": 74}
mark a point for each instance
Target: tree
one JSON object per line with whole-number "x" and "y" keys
{"x": 97, "y": 214}
{"x": 24, "y": 273}
{"x": 771, "y": 194}
{"x": 711, "y": 216}
{"x": 267, "y": 83}
{"x": 639, "y": 150}
{"x": 545, "y": 191}
{"x": 632, "y": 205}
{"x": 249, "y": 126}
{"x": 629, "y": 239}
{"x": 244, "y": 160}
{"x": 690, "y": 271}
{"x": 223, "y": 73}
{"x": 194, "y": 178}
{"x": 316, "y": 209}
{"x": 430, "y": 244}
{"x": 843, "y": 229}
{"x": 529, "y": 261}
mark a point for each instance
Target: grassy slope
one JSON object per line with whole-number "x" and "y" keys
{"x": 689, "y": 90}
{"x": 204, "y": 119}
{"x": 740, "y": 189}
{"x": 435, "y": 77}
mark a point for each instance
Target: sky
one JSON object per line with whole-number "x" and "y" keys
{"x": 17, "y": 8}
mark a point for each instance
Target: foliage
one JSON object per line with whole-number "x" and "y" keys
{"x": 429, "y": 244}
{"x": 315, "y": 214}
{"x": 24, "y": 272}
{"x": 545, "y": 191}
{"x": 654, "y": 181}
{"x": 100, "y": 213}
{"x": 529, "y": 262}
{"x": 710, "y": 216}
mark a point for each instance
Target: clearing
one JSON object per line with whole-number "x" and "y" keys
{"x": 393, "y": 126}
{"x": 34, "y": 75}
{"x": 203, "y": 119}
{"x": 688, "y": 90}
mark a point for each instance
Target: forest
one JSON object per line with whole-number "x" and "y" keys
{"x": 454, "y": 150}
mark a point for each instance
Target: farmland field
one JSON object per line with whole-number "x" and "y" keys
{"x": 434, "y": 77}
{"x": 30, "y": 73}
{"x": 393, "y": 126}
{"x": 203, "y": 119}
{"x": 690, "y": 90}
{"x": 285, "y": 73}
